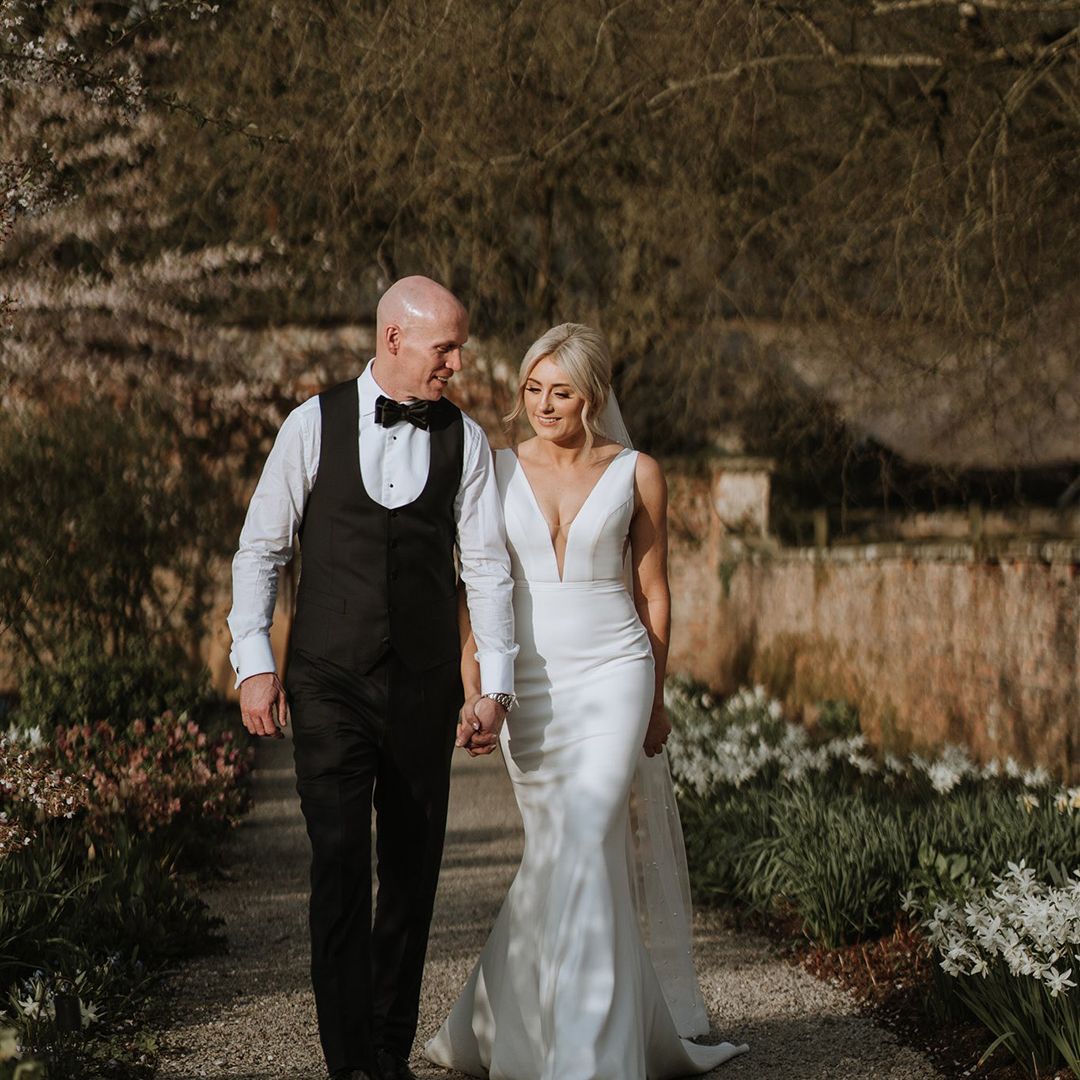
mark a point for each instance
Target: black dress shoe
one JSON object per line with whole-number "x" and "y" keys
{"x": 352, "y": 1074}
{"x": 391, "y": 1067}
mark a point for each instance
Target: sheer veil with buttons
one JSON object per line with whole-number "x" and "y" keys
{"x": 659, "y": 880}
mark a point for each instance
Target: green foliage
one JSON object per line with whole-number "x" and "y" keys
{"x": 109, "y": 524}
{"x": 845, "y": 862}
{"x": 1040, "y": 1031}
{"x": 93, "y": 918}
{"x": 68, "y": 899}
{"x": 63, "y": 1017}
{"x": 941, "y": 875}
{"x": 1009, "y": 956}
{"x": 730, "y": 840}
{"x": 838, "y": 719}
{"x": 86, "y": 686}
{"x": 826, "y": 833}
{"x": 167, "y": 780}
{"x": 96, "y": 819}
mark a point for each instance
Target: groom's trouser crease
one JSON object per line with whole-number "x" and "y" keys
{"x": 383, "y": 738}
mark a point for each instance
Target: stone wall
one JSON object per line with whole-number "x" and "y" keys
{"x": 972, "y": 644}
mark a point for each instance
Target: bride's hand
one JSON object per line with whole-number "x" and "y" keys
{"x": 657, "y": 732}
{"x": 468, "y": 725}
{"x": 472, "y": 734}
{"x": 489, "y": 717}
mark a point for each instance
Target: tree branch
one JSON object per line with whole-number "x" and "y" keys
{"x": 1008, "y": 7}
{"x": 897, "y": 61}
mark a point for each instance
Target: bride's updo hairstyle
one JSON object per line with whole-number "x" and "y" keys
{"x": 582, "y": 353}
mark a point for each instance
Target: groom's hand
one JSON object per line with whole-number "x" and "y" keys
{"x": 263, "y": 705}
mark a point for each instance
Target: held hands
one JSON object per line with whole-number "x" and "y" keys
{"x": 479, "y": 724}
{"x": 657, "y": 732}
{"x": 263, "y": 706}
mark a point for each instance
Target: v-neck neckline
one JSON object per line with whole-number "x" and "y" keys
{"x": 560, "y": 570}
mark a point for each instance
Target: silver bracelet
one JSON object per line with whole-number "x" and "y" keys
{"x": 507, "y": 701}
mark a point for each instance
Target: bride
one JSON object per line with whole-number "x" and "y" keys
{"x": 565, "y": 988}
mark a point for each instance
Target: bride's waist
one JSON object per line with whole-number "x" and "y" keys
{"x": 578, "y": 618}
{"x": 605, "y": 586}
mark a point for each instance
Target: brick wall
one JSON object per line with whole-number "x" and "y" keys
{"x": 958, "y": 642}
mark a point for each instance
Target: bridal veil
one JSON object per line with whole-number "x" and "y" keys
{"x": 659, "y": 879}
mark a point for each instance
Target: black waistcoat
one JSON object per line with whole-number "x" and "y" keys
{"x": 373, "y": 579}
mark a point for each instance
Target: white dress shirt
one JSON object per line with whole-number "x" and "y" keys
{"x": 394, "y": 466}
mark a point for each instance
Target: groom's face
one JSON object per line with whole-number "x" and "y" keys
{"x": 429, "y": 353}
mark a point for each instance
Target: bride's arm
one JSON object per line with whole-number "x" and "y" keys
{"x": 652, "y": 596}
{"x": 467, "y": 734}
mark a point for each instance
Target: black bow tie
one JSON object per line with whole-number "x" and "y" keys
{"x": 389, "y": 412}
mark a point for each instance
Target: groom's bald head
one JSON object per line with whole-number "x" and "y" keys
{"x": 413, "y": 299}
{"x": 420, "y": 328}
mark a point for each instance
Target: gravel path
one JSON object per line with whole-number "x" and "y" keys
{"x": 250, "y": 1016}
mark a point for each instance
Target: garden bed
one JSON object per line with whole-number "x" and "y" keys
{"x": 892, "y": 979}
{"x": 944, "y": 894}
{"x": 103, "y": 829}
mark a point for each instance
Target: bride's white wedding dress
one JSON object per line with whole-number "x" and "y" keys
{"x": 564, "y": 988}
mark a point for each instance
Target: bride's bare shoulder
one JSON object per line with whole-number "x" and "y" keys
{"x": 649, "y": 479}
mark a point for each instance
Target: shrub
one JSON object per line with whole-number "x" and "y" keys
{"x": 60, "y": 908}
{"x": 838, "y": 719}
{"x": 164, "y": 779}
{"x": 843, "y": 840}
{"x": 32, "y": 792}
{"x": 109, "y": 525}
{"x": 86, "y": 686}
{"x": 1013, "y": 957}
{"x": 845, "y": 862}
{"x": 91, "y": 901}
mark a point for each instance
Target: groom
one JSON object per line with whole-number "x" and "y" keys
{"x": 379, "y": 478}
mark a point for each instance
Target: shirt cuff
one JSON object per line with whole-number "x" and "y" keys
{"x": 252, "y": 656}
{"x": 496, "y": 673}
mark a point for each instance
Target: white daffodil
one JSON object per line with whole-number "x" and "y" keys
{"x": 29, "y": 1007}
{"x": 1037, "y": 777}
{"x": 1059, "y": 981}
{"x": 895, "y": 765}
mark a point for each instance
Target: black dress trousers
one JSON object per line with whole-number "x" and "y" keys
{"x": 382, "y": 739}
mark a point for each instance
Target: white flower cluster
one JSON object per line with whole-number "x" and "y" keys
{"x": 953, "y": 765}
{"x": 24, "y": 736}
{"x": 35, "y": 999}
{"x": 733, "y": 743}
{"x": 1030, "y": 927}
{"x": 31, "y": 791}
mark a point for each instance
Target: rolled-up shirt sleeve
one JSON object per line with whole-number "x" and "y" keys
{"x": 268, "y": 538}
{"x": 485, "y": 564}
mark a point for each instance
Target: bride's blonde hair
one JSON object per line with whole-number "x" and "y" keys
{"x": 582, "y": 353}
